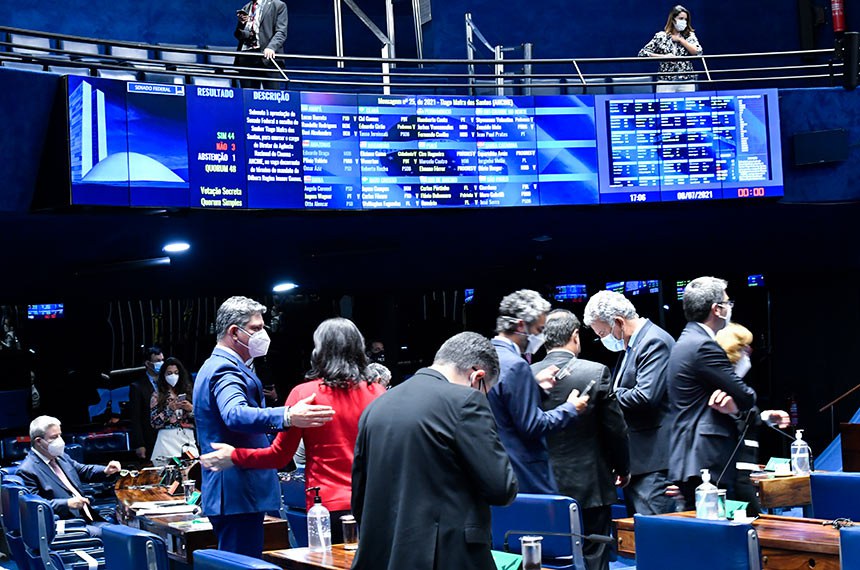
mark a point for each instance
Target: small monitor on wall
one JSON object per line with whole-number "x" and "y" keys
{"x": 570, "y": 293}
{"x": 45, "y": 312}
{"x": 756, "y": 280}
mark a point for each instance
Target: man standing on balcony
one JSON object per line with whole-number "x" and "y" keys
{"x": 261, "y": 28}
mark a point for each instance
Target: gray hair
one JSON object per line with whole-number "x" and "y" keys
{"x": 236, "y": 311}
{"x": 525, "y": 304}
{"x": 40, "y": 425}
{"x": 376, "y": 370}
{"x": 560, "y": 326}
{"x": 468, "y": 350}
{"x": 605, "y": 305}
{"x": 700, "y": 295}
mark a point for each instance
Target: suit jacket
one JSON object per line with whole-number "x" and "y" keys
{"x": 328, "y": 449}
{"x": 586, "y": 456}
{"x": 702, "y": 437}
{"x": 428, "y": 465}
{"x": 523, "y": 425}
{"x": 273, "y": 25}
{"x": 141, "y": 433}
{"x": 228, "y": 407}
{"x": 643, "y": 398}
{"x": 41, "y": 480}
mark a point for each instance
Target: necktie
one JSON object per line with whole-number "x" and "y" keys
{"x": 68, "y": 485}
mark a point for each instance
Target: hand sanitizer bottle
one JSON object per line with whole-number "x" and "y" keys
{"x": 707, "y": 498}
{"x": 800, "y": 455}
{"x": 319, "y": 525}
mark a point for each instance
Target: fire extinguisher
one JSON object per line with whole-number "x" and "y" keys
{"x": 837, "y": 9}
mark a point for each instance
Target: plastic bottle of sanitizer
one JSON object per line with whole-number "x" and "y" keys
{"x": 319, "y": 525}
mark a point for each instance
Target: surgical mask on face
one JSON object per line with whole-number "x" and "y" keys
{"x": 611, "y": 343}
{"x": 57, "y": 447}
{"x": 728, "y": 316}
{"x": 535, "y": 341}
{"x": 172, "y": 379}
{"x": 157, "y": 366}
{"x": 743, "y": 366}
{"x": 680, "y": 25}
{"x": 258, "y": 343}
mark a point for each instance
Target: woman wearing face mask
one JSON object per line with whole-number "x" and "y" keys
{"x": 172, "y": 413}
{"x": 339, "y": 378}
{"x": 676, "y": 39}
{"x": 736, "y": 340}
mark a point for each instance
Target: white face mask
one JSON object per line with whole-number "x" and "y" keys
{"x": 57, "y": 447}
{"x": 680, "y": 25}
{"x": 728, "y": 316}
{"x": 743, "y": 366}
{"x": 258, "y": 343}
{"x": 172, "y": 379}
{"x": 535, "y": 341}
{"x": 611, "y": 343}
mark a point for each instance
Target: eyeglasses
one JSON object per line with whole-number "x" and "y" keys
{"x": 729, "y": 303}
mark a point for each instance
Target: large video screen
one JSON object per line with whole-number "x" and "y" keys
{"x": 154, "y": 145}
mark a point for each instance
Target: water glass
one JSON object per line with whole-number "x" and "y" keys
{"x": 531, "y": 550}
{"x": 350, "y": 532}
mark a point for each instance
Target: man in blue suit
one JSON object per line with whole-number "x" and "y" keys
{"x": 516, "y": 398}
{"x": 49, "y": 472}
{"x": 229, "y": 408}
{"x": 639, "y": 384}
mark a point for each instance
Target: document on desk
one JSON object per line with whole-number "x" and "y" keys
{"x": 149, "y": 508}
{"x": 201, "y": 523}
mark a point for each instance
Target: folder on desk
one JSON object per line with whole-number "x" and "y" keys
{"x": 506, "y": 560}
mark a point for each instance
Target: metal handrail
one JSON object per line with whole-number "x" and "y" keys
{"x": 321, "y": 72}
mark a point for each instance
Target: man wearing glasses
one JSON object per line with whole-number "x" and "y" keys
{"x": 705, "y": 395}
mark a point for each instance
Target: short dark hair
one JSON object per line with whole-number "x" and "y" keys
{"x": 468, "y": 350}
{"x": 560, "y": 326}
{"x": 151, "y": 351}
{"x": 338, "y": 357}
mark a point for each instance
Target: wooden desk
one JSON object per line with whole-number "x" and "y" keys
{"x": 786, "y": 543}
{"x": 304, "y": 559}
{"x": 784, "y": 491}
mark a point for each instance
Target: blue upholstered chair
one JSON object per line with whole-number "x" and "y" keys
{"x": 849, "y": 547}
{"x": 44, "y": 549}
{"x": 540, "y": 515}
{"x": 12, "y": 520}
{"x": 680, "y": 542}
{"x": 132, "y": 549}
{"x": 293, "y": 493}
{"x": 835, "y": 495}
{"x": 208, "y": 559}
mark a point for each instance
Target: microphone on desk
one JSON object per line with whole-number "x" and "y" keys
{"x": 747, "y": 423}
{"x": 599, "y": 538}
{"x": 779, "y": 431}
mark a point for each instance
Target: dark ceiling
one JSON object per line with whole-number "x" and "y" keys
{"x": 97, "y": 253}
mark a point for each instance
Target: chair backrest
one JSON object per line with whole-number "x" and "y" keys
{"x": 132, "y": 549}
{"x": 208, "y": 559}
{"x": 167, "y": 55}
{"x": 849, "y": 547}
{"x": 537, "y": 514}
{"x": 216, "y": 59}
{"x": 9, "y": 496}
{"x": 623, "y": 84}
{"x": 24, "y": 43}
{"x": 682, "y": 542}
{"x": 37, "y": 521}
{"x": 835, "y": 495}
{"x": 80, "y": 48}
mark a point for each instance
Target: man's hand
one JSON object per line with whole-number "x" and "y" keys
{"x": 113, "y": 467}
{"x": 220, "y": 459}
{"x": 579, "y": 402}
{"x": 304, "y": 414}
{"x": 777, "y": 418}
{"x": 546, "y": 377}
{"x": 723, "y": 403}
{"x": 243, "y": 18}
{"x": 269, "y": 54}
{"x": 140, "y": 452}
{"x": 77, "y": 502}
{"x": 271, "y": 395}
{"x": 622, "y": 480}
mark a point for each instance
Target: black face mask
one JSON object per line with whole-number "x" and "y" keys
{"x": 377, "y": 357}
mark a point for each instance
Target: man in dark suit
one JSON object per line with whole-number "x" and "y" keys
{"x": 516, "y": 399}
{"x": 141, "y": 433}
{"x": 261, "y": 28}
{"x": 428, "y": 465}
{"x": 49, "y": 472}
{"x": 228, "y": 408}
{"x": 590, "y": 457}
{"x": 639, "y": 384}
{"x": 705, "y": 394}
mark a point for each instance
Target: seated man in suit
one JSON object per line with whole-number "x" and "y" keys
{"x": 49, "y": 472}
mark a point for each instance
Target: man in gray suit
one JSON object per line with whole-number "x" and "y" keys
{"x": 261, "y": 28}
{"x": 705, "y": 394}
{"x": 640, "y": 387}
{"x": 589, "y": 457}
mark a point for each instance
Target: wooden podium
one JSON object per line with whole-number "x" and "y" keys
{"x": 850, "y": 447}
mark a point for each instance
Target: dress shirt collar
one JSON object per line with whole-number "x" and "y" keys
{"x": 561, "y": 350}
{"x": 232, "y": 352}
{"x": 44, "y": 458}
{"x": 639, "y": 327}
{"x": 708, "y": 330}
{"x": 505, "y": 339}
